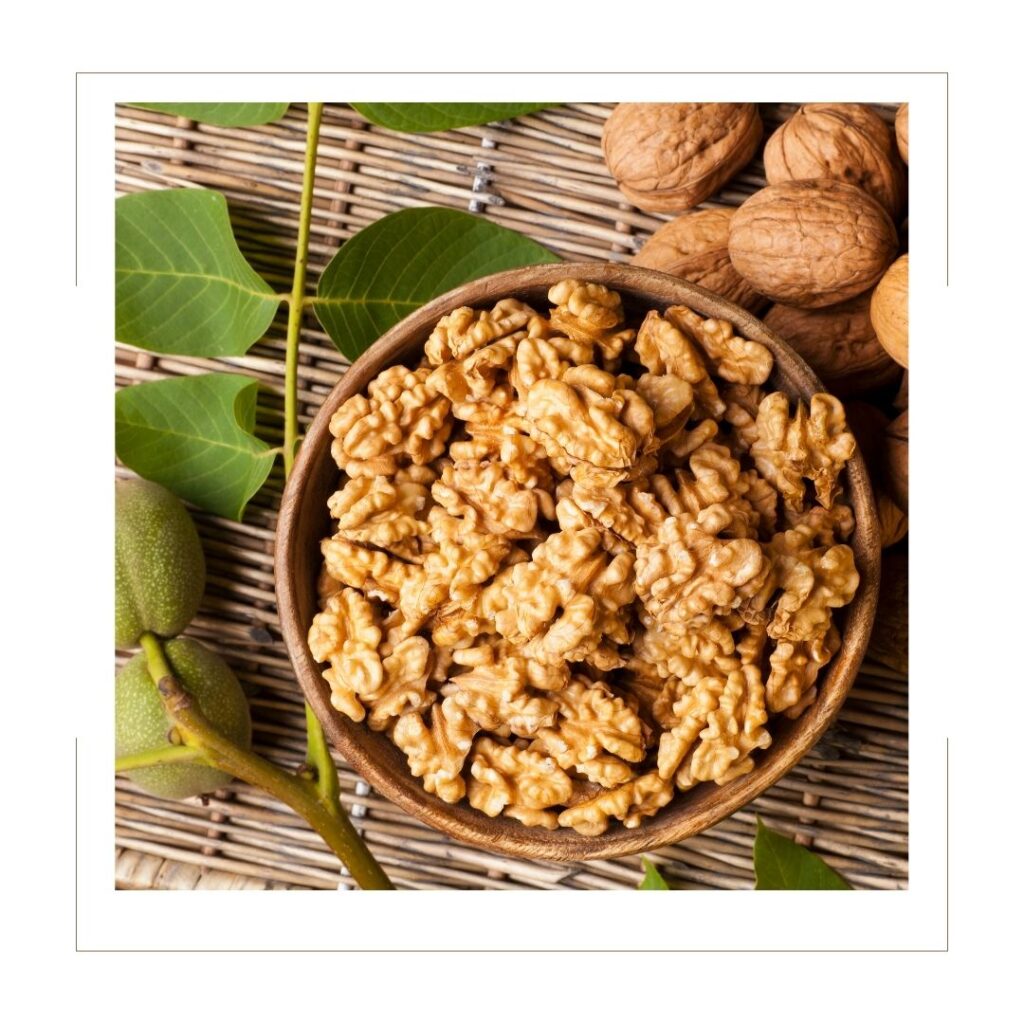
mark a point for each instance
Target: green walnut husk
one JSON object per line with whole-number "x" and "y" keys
{"x": 141, "y": 723}
{"x": 159, "y": 570}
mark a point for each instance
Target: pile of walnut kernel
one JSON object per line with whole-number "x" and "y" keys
{"x": 577, "y": 564}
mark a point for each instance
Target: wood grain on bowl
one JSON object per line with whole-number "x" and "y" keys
{"x": 304, "y": 522}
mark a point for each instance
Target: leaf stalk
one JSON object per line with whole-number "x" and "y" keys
{"x": 298, "y": 293}
{"x": 175, "y": 754}
{"x": 324, "y": 813}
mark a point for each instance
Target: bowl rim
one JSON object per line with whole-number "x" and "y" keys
{"x": 502, "y": 835}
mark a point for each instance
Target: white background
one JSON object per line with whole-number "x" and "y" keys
{"x": 965, "y": 560}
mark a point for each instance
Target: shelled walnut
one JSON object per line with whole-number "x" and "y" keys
{"x": 579, "y": 561}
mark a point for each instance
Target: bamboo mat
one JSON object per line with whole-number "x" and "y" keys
{"x": 544, "y": 176}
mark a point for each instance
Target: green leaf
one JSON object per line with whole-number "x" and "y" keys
{"x": 227, "y": 115}
{"x": 403, "y": 260}
{"x": 195, "y": 436}
{"x": 440, "y": 117}
{"x": 181, "y": 283}
{"x": 779, "y": 863}
{"x": 652, "y": 877}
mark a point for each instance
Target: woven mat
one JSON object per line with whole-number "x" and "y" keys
{"x": 542, "y": 175}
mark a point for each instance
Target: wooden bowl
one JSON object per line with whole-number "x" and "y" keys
{"x": 304, "y": 522}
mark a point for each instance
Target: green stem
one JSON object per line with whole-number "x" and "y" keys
{"x": 327, "y": 817}
{"x": 318, "y": 754}
{"x": 295, "y": 305}
{"x": 159, "y": 755}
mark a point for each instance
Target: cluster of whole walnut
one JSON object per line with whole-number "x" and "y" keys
{"x": 579, "y": 561}
{"x": 819, "y": 244}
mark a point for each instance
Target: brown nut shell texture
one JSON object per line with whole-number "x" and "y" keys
{"x": 889, "y": 311}
{"x": 838, "y": 343}
{"x": 695, "y": 247}
{"x": 890, "y": 638}
{"x": 844, "y": 141}
{"x": 903, "y": 132}
{"x": 897, "y": 451}
{"x": 811, "y": 243}
{"x": 893, "y": 522}
{"x": 579, "y": 558}
{"x": 870, "y": 425}
{"x": 670, "y": 157}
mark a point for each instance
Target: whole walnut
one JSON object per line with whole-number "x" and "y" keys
{"x": 897, "y": 447}
{"x": 902, "y": 399}
{"x": 870, "y": 427}
{"x": 839, "y": 344}
{"x": 893, "y": 522}
{"x": 811, "y": 243}
{"x": 889, "y": 310}
{"x": 844, "y": 141}
{"x": 890, "y": 637}
{"x": 902, "y": 132}
{"x": 695, "y": 247}
{"x": 669, "y": 157}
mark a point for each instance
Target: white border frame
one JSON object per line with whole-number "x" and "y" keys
{"x": 912, "y": 919}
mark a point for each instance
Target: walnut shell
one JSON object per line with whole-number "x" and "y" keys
{"x": 902, "y": 399}
{"x": 843, "y": 141}
{"x": 893, "y": 522}
{"x": 669, "y": 157}
{"x": 870, "y": 427}
{"x": 811, "y": 243}
{"x": 695, "y": 247}
{"x": 838, "y": 343}
{"x": 889, "y": 310}
{"x": 903, "y": 133}
{"x": 889, "y": 642}
{"x": 897, "y": 448}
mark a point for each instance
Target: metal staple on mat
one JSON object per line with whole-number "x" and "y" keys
{"x": 482, "y": 177}
{"x": 358, "y": 811}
